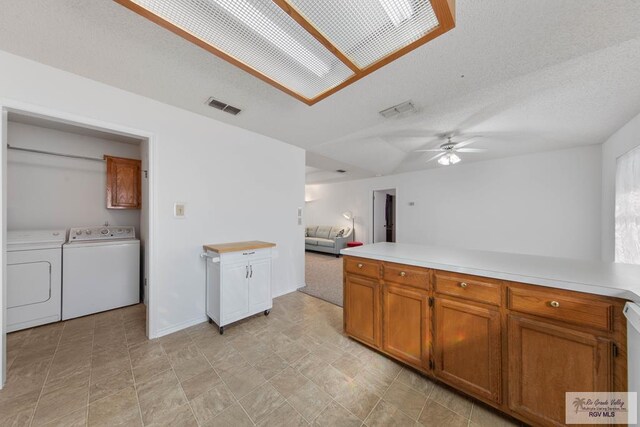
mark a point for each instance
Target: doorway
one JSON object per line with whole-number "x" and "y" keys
{"x": 384, "y": 216}
{"x": 26, "y": 118}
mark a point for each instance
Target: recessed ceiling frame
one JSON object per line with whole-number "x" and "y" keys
{"x": 443, "y": 9}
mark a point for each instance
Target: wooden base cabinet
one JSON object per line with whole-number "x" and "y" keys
{"x": 405, "y": 324}
{"x": 547, "y": 360}
{"x": 467, "y": 347}
{"x": 362, "y": 309}
{"x": 516, "y": 347}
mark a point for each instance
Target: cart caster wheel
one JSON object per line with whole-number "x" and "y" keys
{"x": 210, "y": 321}
{"x": 266, "y": 312}
{"x": 221, "y": 329}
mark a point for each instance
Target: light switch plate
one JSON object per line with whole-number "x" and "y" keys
{"x": 179, "y": 210}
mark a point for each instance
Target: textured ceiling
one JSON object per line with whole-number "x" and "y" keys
{"x": 538, "y": 75}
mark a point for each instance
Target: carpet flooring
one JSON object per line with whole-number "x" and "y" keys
{"x": 323, "y": 277}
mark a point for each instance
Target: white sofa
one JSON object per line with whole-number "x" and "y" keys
{"x": 327, "y": 238}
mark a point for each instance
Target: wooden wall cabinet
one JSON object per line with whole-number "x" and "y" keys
{"x": 516, "y": 347}
{"x": 124, "y": 189}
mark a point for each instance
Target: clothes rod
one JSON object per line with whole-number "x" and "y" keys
{"x": 51, "y": 153}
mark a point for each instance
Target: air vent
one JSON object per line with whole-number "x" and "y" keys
{"x": 219, "y": 105}
{"x": 405, "y": 108}
{"x": 341, "y": 171}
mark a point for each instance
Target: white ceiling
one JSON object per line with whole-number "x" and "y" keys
{"x": 538, "y": 75}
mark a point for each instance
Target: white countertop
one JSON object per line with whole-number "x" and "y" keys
{"x": 594, "y": 277}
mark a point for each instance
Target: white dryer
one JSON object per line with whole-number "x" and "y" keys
{"x": 101, "y": 270}
{"x": 34, "y": 274}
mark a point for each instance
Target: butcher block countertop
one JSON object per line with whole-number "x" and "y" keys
{"x": 222, "y": 248}
{"x": 594, "y": 277}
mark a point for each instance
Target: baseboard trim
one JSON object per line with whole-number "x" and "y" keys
{"x": 195, "y": 321}
{"x": 285, "y": 292}
{"x": 180, "y": 326}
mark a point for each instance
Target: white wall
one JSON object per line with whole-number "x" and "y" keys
{"x": 545, "y": 203}
{"x": 237, "y": 185}
{"x": 625, "y": 139}
{"x": 47, "y": 192}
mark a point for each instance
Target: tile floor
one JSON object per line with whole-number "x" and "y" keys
{"x": 294, "y": 367}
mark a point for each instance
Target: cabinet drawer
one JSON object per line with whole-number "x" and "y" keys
{"x": 363, "y": 267}
{"x": 468, "y": 287}
{"x": 406, "y": 275}
{"x": 575, "y": 309}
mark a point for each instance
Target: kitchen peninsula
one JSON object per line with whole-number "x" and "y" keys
{"x": 514, "y": 331}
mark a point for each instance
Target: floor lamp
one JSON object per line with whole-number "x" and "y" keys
{"x": 349, "y": 215}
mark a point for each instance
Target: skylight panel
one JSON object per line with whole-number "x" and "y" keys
{"x": 260, "y": 35}
{"x": 309, "y": 49}
{"x": 366, "y": 31}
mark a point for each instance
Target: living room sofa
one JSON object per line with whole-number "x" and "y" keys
{"x": 327, "y": 238}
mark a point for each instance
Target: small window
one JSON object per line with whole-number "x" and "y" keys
{"x": 627, "y": 215}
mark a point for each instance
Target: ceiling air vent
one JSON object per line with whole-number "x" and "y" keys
{"x": 405, "y": 108}
{"x": 212, "y": 102}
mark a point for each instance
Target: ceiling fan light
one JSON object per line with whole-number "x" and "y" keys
{"x": 454, "y": 158}
{"x": 444, "y": 160}
{"x": 397, "y": 10}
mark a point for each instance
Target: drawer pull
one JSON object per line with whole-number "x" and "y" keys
{"x": 463, "y": 285}
{"x": 554, "y": 304}
{"x": 402, "y": 274}
{"x": 359, "y": 265}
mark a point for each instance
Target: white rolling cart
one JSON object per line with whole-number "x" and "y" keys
{"x": 238, "y": 281}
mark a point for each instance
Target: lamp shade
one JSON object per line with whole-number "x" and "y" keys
{"x": 347, "y": 214}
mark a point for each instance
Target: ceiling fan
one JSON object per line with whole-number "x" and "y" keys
{"x": 447, "y": 152}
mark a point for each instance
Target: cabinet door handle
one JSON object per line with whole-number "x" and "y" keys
{"x": 246, "y": 276}
{"x": 463, "y": 285}
{"x": 554, "y": 304}
{"x": 402, "y": 274}
{"x": 251, "y": 271}
{"x": 359, "y": 265}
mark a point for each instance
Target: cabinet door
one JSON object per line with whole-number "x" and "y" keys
{"x": 546, "y": 360}
{"x": 467, "y": 347}
{"x": 123, "y": 183}
{"x": 235, "y": 291}
{"x": 405, "y": 324}
{"x": 259, "y": 284}
{"x": 362, "y": 309}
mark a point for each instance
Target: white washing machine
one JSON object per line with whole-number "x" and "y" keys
{"x": 34, "y": 275}
{"x": 101, "y": 270}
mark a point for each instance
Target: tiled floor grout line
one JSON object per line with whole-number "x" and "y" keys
{"x": 382, "y": 396}
{"x": 237, "y": 400}
{"x": 321, "y": 411}
{"x": 433, "y": 386}
{"x": 35, "y": 409}
{"x": 19, "y": 350}
{"x": 317, "y": 329}
{"x": 473, "y": 406}
{"x": 135, "y": 383}
{"x": 93, "y": 343}
{"x": 180, "y": 382}
{"x": 332, "y": 398}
